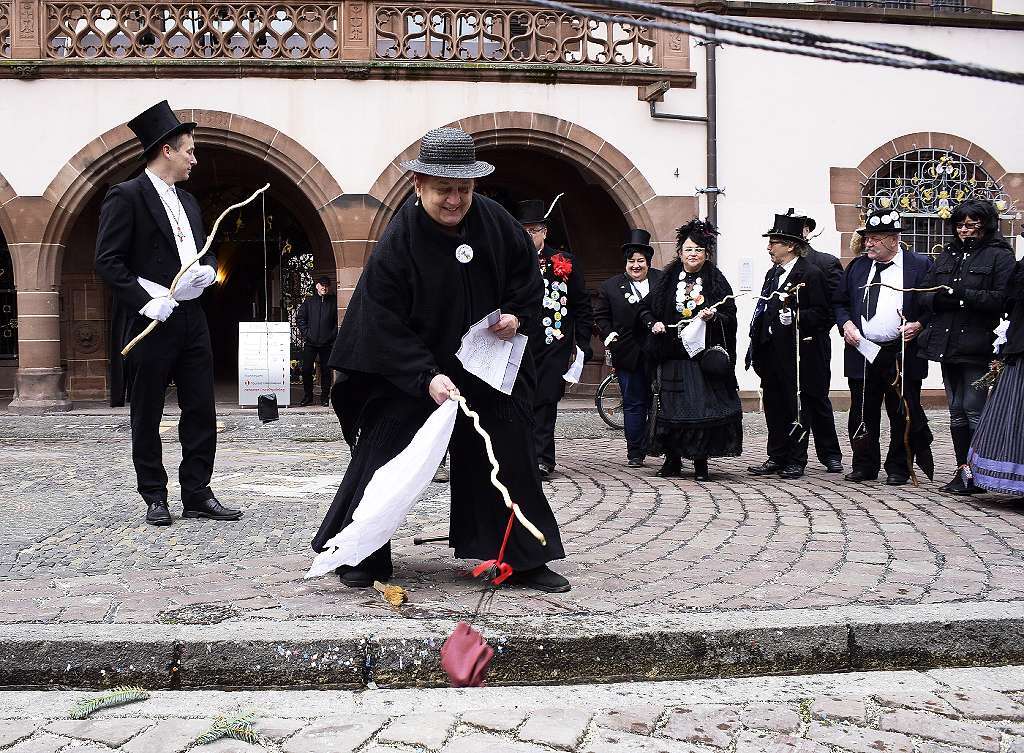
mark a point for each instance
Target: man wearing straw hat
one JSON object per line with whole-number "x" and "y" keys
{"x": 446, "y": 260}
{"x": 148, "y": 229}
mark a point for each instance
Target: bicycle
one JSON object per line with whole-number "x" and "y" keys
{"x": 608, "y": 399}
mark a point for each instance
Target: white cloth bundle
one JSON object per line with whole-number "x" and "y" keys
{"x": 390, "y": 495}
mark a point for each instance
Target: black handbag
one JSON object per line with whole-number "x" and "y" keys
{"x": 715, "y": 362}
{"x": 266, "y": 408}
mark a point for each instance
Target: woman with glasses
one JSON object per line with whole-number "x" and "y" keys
{"x": 698, "y": 413}
{"x": 976, "y": 267}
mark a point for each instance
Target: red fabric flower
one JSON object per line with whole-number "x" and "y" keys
{"x": 561, "y": 266}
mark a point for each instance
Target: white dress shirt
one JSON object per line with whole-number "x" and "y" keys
{"x": 786, "y": 269}
{"x": 642, "y": 288}
{"x": 884, "y": 326}
{"x": 186, "y": 248}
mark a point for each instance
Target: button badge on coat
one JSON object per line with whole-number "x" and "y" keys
{"x": 464, "y": 253}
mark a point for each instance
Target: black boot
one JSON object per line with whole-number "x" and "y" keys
{"x": 962, "y": 436}
{"x": 700, "y": 469}
{"x": 671, "y": 468}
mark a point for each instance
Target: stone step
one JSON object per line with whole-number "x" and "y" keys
{"x": 565, "y": 649}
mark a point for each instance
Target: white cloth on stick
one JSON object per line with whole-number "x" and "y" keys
{"x": 572, "y": 376}
{"x": 390, "y": 495}
{"x": 693, "y": 336}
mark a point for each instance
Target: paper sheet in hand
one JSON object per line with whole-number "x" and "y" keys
{"x": 868, "y": 349}
{"x": 693, "y": 336}
{"x": 572, "y": 376}
{"x": 487, "y": 356}
{"x": 390, "y": 495}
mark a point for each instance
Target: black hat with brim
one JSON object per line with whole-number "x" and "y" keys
{"x": 788, "y": 228}
{"x": 882, "y": 221}
{"x": 639, "y": 240}
{"x": 448, "y": 153}
{"x": 157, "y": 125}
{"x": 531, "y": 212}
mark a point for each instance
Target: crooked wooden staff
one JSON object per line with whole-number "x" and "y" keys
{"x": 187, "y": 265}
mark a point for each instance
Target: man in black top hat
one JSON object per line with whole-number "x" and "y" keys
{"x": 616, "y": 316}
{"x": 317, "y": 320}
{"x": 148, "y": 230}
{"x": 447, "y": 259}
{"x": 797, "y": 299}
{"x": 816, "y": 400}
{"x": 567, "y": 322}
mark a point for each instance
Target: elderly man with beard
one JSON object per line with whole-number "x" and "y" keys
{"x": 616, "y": 316}
{"x": 446, "y": 260}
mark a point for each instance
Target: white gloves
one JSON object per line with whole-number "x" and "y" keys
{"x": 786, "y": 317}
{"x": 202, "y": 277}
{"x": 160, "y": 308}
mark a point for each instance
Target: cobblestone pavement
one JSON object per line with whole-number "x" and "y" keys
{"x": 74, "y": 548}
{"x": 942, "y": 711}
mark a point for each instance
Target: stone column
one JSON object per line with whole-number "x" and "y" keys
{"x": 25, "y": 27}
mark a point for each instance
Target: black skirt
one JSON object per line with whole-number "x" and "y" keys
{"x": 997, "y": 449}
{"x": 697, "y": 417}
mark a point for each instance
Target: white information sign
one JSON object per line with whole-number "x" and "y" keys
{"x": 264, "y": 349}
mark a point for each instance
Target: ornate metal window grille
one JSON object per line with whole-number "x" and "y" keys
{"x": 296, "y": 284}
{"x": 8, "y": 306}
{"x": 925, "y": 186}
{"x": 5, "y": 30}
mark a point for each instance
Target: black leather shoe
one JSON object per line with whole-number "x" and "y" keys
{"x": 671, "y": 468}
{"x": 895, "y": 479}
{"x": 859, "y": 476}
{"x": 833, "y": 465}
{"x": 158, "y": 514}
{"x": 542, "y": 578}
{"x": 700, "y": 470}
{"x": 962, "y": 484}
{"x": 635, "y": 463}
{"x": 791, "y": 471}
{"x": 211, "y": 509}
{"x": 306, "y": 401}
{"x": 767, "y": 468}
{"x": 545, "y": 470}
{"x": 353, "y": 577}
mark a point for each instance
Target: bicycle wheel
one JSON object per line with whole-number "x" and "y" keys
{"x": 609, "y": 402}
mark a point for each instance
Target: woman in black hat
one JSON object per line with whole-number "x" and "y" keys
{"x": 617, "y": 317}
{"x": 446, "y": 260}
{"x": 697, "y": 414}
{"x": 977, "y": 264}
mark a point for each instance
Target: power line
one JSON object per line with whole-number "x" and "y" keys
{"x": 789, "y": 40}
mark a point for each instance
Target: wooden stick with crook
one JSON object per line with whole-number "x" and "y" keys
{"x": 185, "y": 267}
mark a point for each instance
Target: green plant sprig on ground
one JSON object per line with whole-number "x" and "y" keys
{"x": 117, "y": 697}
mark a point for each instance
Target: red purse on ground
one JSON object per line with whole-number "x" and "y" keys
{"x": 466, "y": 657}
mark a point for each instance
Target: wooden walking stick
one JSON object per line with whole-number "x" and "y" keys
{"x": 187, "y": 265}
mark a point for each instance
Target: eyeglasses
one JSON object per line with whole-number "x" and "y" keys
{"x": 694, "y": 250}
{"x": 536, "y": 230}
{"x": 968, "y": 225}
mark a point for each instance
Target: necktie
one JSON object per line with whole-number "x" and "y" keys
{"x": 770, "y": 285}
{"x": 871, "y": 305}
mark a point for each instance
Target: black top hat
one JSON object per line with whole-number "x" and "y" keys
{"x": 809, "y": 222}
{"x": 882, "y": 221}
{"x": 787, "y": 227}
{"x": 532, "y": 212}
{"x": 156, "y": 125}
{"x": 639, "y": 240}
{"x": 448, "y": 153}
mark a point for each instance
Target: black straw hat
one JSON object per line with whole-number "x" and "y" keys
{"x": 157, "y": 125}
{"x": 448, "y": 153}
{"x": 788, "y": 228}
{"x": 881, "y": 221}
{"x": 639, "y": 240}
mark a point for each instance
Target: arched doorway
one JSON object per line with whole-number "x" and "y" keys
{"x": 267, "y": 254}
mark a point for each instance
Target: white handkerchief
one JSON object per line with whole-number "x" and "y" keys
{"x": 389, "y": 496}
{"x": 487, "y": 356}
{"x": 693, "y": 336}
{"x": 572, "y": 376}
{"x": 868, "y": 349}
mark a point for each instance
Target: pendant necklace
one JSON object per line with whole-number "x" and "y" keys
{"x": 178, "y": 232}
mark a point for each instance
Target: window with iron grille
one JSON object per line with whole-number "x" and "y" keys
{"x": 8, "y": 306}
{"x": 925, "y": 186}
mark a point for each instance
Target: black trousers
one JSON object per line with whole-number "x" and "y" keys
{"x": 866, "y": 399}
{"x": 310, "y": 353}
{"x": 786, "y": 445}
{"x": 819, "y": 411}
{"x": 544, "y": 417}
{"x": 177, "y": 349}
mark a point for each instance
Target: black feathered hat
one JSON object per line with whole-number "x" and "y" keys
{"x": 639, "y": 240}
{"x": 157, "y": 125}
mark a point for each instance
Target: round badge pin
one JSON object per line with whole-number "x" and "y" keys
{"x": 464, "y": 253}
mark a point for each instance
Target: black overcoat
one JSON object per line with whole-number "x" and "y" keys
{"x": 615, "y": 312}
{"x": 135, "y": 240}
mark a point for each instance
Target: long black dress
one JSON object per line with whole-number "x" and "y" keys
{"x": 412, "y": 305}
{"x": 697, "y": 417}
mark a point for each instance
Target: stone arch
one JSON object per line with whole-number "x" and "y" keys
{"x": 597, "y": 158}
{"x": 847, "y": 183}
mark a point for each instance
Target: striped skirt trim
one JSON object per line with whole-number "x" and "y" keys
{"x": 997, "y": 450}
